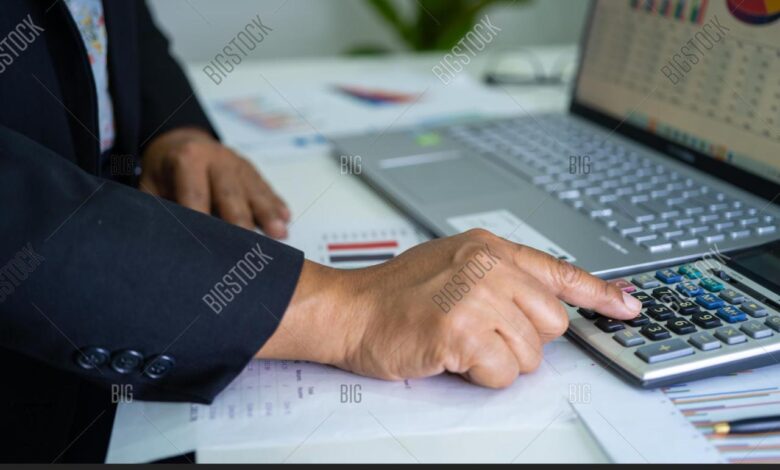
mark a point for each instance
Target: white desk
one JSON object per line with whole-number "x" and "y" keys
{"x": 318, "y": 193}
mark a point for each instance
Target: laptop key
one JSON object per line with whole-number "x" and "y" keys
{"x": 766, "y": 230}
{"x": 738, "y": 234}
{"x": 704, "y": 341}
{"x": 642, "y": 237}
{"x": 665, "y": 351}
{"x": 756, "y": 329}
{"x": 685, "y": 241}
{"x": 712, "y": 237}
{"x": 657, "y": 246}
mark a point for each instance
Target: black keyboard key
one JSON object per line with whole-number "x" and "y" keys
{"x": 660, "y": 312}
{"x": 655, "y": 332}
{"x": 706, "y": 320}
{"x": 587, "y": 313}
{"x": 641, "y": 320}
{"x": 685, "y": 307}
{"x": 681, "y": 326}
{"x": 665, "y": 295}
{"x": 644, "y": 298}
{"x": 609, "y": 325}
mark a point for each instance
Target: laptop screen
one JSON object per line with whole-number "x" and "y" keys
{"x": 700, "y": 79}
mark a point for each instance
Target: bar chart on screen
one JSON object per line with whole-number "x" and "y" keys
{"x": 749, "y": 394}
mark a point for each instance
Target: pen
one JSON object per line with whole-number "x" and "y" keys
{"x": 749, "y": 426}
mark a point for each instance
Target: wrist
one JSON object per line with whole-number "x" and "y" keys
{"x": 325, "y": 319}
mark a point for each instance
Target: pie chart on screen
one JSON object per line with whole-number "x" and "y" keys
{"x": 756, "y": 12}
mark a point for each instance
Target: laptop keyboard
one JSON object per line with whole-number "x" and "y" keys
{"x": 648, "y": 203}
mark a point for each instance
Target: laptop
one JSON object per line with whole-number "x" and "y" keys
{"x": 670, "y": 148}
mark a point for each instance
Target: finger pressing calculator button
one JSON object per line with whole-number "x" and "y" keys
{"x": 773, "y": 322}
{"x": 756, "y": 329}
{"x": 628, "y": 338}
{"x": 640, "y": 320}
{"x": 623, "y": 285}
{"x": 660, "y": 312}
{"x": 731, "y": 296}
{"x": 664, "y": 351}
{"x": 731, "y": 314}
{"x": 709, "y": 301}
{"x": 645, "y": 281}
{"x": 681, "y": 326}
{"x": 655, "y": 332}
{"x": 753, "y": 309}
{"x": 730, "y": 335}
{"x": 704, "y": 341}
{"x": 609, "y": 325}
{"x": 706, "y": 320}
{"x": 644, "y": 298}
{"x": 588, "y": 313}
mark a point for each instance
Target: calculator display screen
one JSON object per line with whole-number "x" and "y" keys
{"x": 763, "y": 265}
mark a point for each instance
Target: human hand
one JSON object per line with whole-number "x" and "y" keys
{"x": 190, "y": 167}
{"x": 473, "y": 304}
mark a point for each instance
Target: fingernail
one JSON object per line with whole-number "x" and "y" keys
{"x": 632, "y": 302}
{"x": 278, "y": 227}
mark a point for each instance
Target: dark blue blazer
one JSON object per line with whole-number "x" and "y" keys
{"x": 101, "y": 286}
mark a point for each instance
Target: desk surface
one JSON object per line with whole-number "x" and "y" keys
{"x": 317, "y": 194}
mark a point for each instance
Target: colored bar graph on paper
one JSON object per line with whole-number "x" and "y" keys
{"x": 736, "y": 396}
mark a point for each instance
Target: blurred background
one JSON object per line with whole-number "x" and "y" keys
{"x": 315, "y": 28}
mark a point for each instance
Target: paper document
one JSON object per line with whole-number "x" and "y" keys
{"x": 674, "y": 424}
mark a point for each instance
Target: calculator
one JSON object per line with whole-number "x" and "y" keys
{"x": 712, "y": 316}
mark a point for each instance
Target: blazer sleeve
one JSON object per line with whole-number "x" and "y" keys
{"x": 117, "y": 286}
{"x": 167, "y": 99}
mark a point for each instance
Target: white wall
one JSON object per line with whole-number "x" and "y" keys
{"x": 305, "y": 28}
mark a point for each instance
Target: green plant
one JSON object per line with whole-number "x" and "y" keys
{"x": 435, "y": 24}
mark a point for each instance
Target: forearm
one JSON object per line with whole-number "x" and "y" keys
{"x": 324, "y": 320}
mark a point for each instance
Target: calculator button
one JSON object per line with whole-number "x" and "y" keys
{"x": 685, "y": 307}
{"x": 731, "y": 296}
{"x": 731, "y": 314}
{"x": 756, "y": 329}
{"x": 609, "y": 325}
{"x": 655, "y": 332}
{"x": 668, "y": 276}
{"x": 704, "y": 341}
{"x": 681, "y": 326}
{"x": 659, "y": 312}
{"x": 641, "y": 320}
{"x": 689, "y": 289}
{"x": 691, "y": 272}
{"x": 587, "y": 313}
{"x": 628, "y": 338}
{"x": 644, "y": 298}
{"x": 623, "y": 285}
{"x": 665, "y": 351}
{"x": 709, "y": 301}
{"x": 753, "y": 309}
{"x": 645, "y": 281}
{"x": 711, "y": 284}
{"x": 773, "y": 322}
{"x": 665, "y": 294}
{"x": 706, "y": 320}
{"x": 730, "y": 335}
